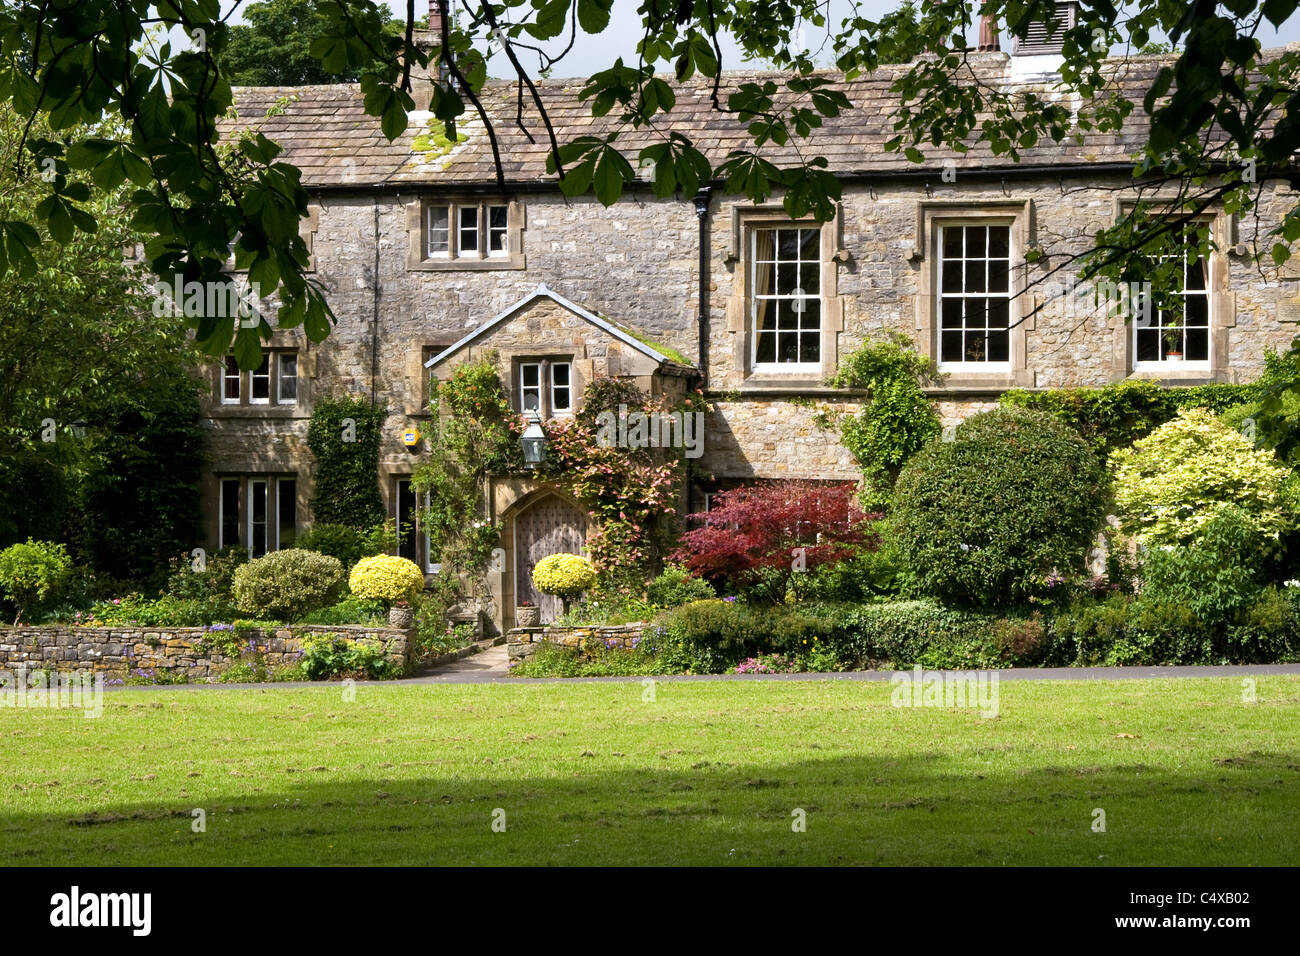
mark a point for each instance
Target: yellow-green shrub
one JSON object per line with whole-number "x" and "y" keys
{"x": 1175, "y": 481}
{"x": 386, "y": 578}
{"x": 565, "y": 575}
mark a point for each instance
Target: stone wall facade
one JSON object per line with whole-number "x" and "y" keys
{"x": 636, "y": 263}
{"x": 523, "y": 642}
{"x": 196, "y": 653}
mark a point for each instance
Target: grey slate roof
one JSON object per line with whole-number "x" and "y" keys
{"x": 326, "y": 133}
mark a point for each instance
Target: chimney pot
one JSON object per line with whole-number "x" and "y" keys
{"x": 988, "y": 35}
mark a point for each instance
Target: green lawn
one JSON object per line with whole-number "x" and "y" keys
{"x": 708, "y": 773}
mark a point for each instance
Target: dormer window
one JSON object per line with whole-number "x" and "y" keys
{"x": 465, "y": 235}
{"x": 467, "y": 230}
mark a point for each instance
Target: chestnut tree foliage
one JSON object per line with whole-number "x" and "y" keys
{"x": 1221, "y": 118}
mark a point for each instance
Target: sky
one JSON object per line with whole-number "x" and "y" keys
{"x": 591, "y": 54}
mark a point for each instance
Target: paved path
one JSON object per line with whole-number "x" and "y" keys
{"x": 490, "y": 667}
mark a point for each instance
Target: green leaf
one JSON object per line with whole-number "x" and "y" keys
{"x": 593, "y": 15}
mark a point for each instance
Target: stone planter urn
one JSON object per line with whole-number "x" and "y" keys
{"x": 401, "y": 615}
{"x": 527, "y": 615}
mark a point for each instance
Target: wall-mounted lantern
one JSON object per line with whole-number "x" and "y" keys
{"x": 533, "y": 441}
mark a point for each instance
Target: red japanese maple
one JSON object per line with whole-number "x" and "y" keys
{"x": 774, "y": 529}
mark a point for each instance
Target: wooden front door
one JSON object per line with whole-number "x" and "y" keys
{"x": 549, "y": 526}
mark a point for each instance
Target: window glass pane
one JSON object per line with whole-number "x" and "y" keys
{"x": 498, "y": 236}
{"x": 999, "y": 242}
{"x": 229, "y": 513}
{"x": 998, "y": 274}
{"x": 976, "y": 242}
{"x": 1148, "y": 344}
{"x": 257, "y": 518}
{"x": 1198, "y": 345}
{"x": 530, "y": 392}
{"x": 951, "y": 242}
{"x": 261, "y": 381}
{"x": 560, "y": 392}
{"x": 438, "y": 231}
{"x": 288, "y": 375}
{"x": 766, "y": 347}
{"x": 468, "y": 238}
{"x": 405, "y": 502}
{"x": 950, "y": 346}
{"x": 998, "y": 347}
{"x": 286, "y": 502}
{"x": 230, "y": 380}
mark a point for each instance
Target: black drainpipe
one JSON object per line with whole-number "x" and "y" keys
{"x": 702, "y": 213}
{"x": 374, "y": 318}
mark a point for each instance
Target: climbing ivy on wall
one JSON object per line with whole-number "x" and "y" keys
{"x": 897, "y": 418}
{"x": 473, "y": 433}
{"x": 344, "y": 436}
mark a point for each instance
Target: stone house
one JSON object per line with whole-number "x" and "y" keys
{"x": 427, "y": 257}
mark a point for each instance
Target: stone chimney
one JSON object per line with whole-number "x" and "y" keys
{"x": 437, "y": 11}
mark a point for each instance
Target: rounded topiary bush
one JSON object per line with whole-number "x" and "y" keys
{"x": 564, "y": 575}
{"x": 983, "y": 519}
{"x": 288, "y": 585}
{"x": 386, "y": 578}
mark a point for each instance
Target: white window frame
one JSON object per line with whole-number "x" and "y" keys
{"x": 265, "y": 482}
{"x": 280, "y": 377}
{"x": 445, "y": 229}
{"x": 237, "y": 378}
{"x": 555, "y": 410}
{"x": 477, "y": 229}
{"x": 491, "y": 231}
{"x": 253, "y": 377}
{"x": 755, "y": 298}
{"x": 1157, "y": 319}
{"x": 941, "y": 296}
{"x": 525, "y": 388}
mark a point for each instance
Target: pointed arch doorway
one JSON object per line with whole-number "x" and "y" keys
{"x": 549, "y": 525}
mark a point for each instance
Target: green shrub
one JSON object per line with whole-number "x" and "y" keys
{"x": 866, "y": 576}
{"x": 1216, "y": 577}
{"x": 288, "y": 584}
{"x": 1106, "y": 418}
{"x": 344, "y": 542}
{"x": 328, "y": 656}
{"x": 595, "y": 661}
{"x": 676, "y": 586}
{"x": 1114, "y": 416}
{"x": 1171, "y": 484}
{"x": 901, "y": 634}
{"x": 351, "y": 610}
{"x": 33, "y": 572}
{"x": 711, "y": 636}
{"x": 984, "y": 519}
{"x": 896, "y": 420}
{"x": 1126, "y": 631}
{"x": 164, "y": 611}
